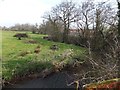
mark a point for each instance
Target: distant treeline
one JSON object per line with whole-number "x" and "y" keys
{"x": 21, "y": 27}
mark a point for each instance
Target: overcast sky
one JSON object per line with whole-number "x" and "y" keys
{"x": 27, "y": 11}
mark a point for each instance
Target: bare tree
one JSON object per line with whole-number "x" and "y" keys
{"x": 104, "y": 14}
{"x": 105, "y": 64}
{"x": 87, "y": 10}
{"x": 44, "y": 28}
{"x": 118, "y": 2}
{"x": 23, "y": 27}
{"x": 52, "y": 26}
{"x": 66, "y": 12}
{"x": 85, "y": 21}
{"x": 100, "y": 67}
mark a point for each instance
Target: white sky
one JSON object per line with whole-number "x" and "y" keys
{"x": 26, "y": 11}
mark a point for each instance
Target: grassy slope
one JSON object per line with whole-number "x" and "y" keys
{"x": 13, "y": 63}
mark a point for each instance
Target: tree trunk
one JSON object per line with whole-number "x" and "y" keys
{"x": 65, "y": 34}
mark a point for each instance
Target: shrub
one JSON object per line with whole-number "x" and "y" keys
{"x": 54, "y": 47}
{"x": 21, "y": 35}
{"x": 47, "y": 37}
{"x": 76, "y": 40}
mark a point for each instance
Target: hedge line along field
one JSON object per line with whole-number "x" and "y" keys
{"x": 19, "y": 57}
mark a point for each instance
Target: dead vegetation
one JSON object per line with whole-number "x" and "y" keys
{"x": 21, "y": 35}
{"x": 31, "y": 42}
{"x": 24, "y": 53}
{"x": 37, "y": 49}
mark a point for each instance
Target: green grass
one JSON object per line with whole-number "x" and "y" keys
{"x": 14, "y": 64}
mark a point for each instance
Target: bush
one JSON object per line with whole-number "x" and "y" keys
{"x": 73, "y": 40}
{"x": 21, "y": 35}
{"x": 47, "y": 37}
{"x": 76, "y": 40}
{"x": 54, "y": 47}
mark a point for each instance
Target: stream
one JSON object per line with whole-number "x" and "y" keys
{"x": 57, "y": 80}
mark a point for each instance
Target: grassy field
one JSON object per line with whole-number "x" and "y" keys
{"x": 19, "y": 59}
